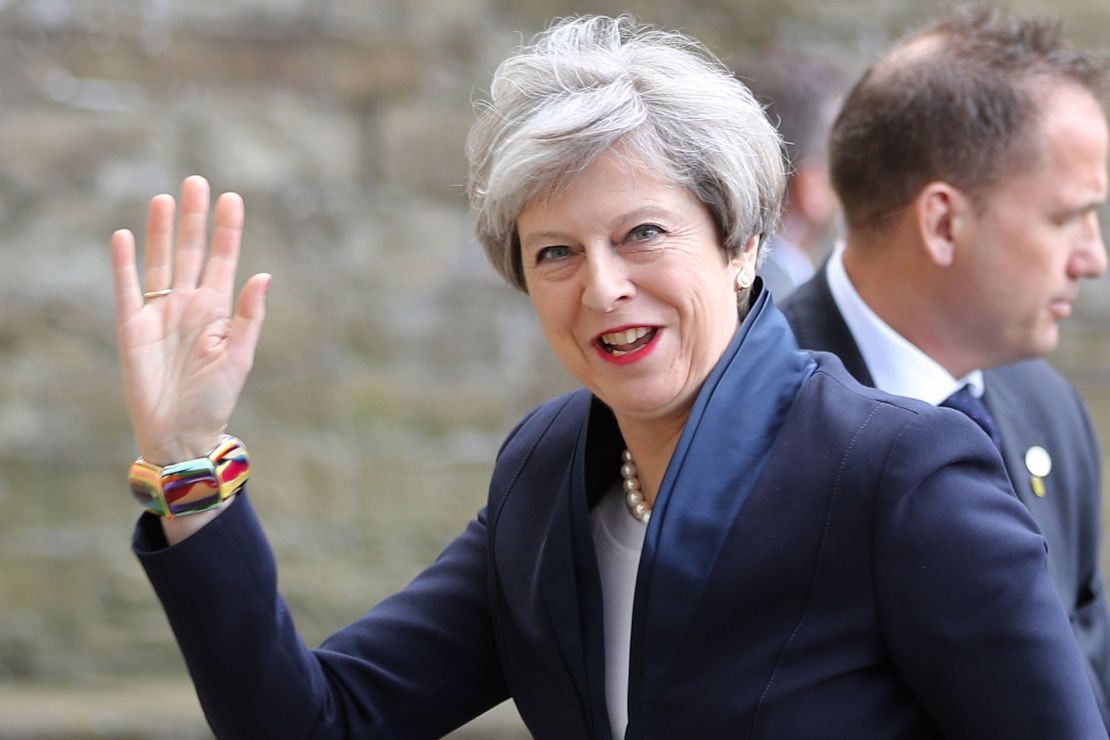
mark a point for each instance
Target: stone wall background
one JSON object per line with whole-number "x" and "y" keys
{"x": 393, "y": 361}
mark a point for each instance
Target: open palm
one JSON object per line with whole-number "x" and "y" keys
{"x": 186, "y": 354}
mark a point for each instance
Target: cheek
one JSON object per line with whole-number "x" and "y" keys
{"x": 709, "y": 304}
{"x": 554, "y": 312}
{"x": 1036, "y": 256}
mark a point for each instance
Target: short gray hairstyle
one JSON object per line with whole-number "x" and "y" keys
{"x": 589, "y": 83}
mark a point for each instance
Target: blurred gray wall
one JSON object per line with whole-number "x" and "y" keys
{"x": 392, "y": 362}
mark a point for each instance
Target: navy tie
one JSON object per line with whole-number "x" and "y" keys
{"x": 966, "y": 401}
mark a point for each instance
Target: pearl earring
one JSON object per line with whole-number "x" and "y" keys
{"x": 744, "y": 280}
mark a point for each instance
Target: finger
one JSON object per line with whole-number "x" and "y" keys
{"x": 192, "y": 229}
{"x": 227, "y": 237}
{"x": 157, "y": 264}
{"x": 129, "y": 294}
{"x": 246, "y": 325}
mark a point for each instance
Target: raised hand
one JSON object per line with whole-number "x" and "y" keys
{"x": 185, "y": 354}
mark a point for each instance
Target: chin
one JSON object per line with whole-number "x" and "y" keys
{"x": 1048, "y": 340}
{"x": 1038, "y": 347}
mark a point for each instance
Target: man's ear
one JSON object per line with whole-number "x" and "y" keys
{"x": 943, "y": 216}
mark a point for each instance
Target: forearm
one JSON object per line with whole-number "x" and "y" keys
{"x": 419, "y": 664}
{"x": 182, "y": 528}
{"x": 219, "y": 591}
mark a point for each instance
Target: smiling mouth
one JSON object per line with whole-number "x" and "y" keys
{"x": 620, "y": 343}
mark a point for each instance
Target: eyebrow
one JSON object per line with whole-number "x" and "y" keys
{"x": 1093, "y": 205}
{"x": 634, "y": 215}
{"x": 544, "y": 236}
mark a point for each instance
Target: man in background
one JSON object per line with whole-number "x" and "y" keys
{"x": 971, "y": 165}
{"x": 802, "y": 94}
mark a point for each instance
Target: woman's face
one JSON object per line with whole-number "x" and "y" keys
{"x": 632, "y": 287}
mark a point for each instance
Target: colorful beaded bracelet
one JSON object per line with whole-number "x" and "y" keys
{"x": 192, "y": 486}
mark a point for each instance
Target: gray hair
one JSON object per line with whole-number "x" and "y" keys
{"x": 589, "y": 83}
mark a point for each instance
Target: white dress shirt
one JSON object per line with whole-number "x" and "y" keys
{"x": 618, "y": 540}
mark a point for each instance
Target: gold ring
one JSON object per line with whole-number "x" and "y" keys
{"x": 157, "y": 293}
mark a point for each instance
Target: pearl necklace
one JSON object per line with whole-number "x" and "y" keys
{"x": 633, "y": 496}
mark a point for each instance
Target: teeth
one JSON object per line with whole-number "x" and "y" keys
{"x": 625, "y": 337}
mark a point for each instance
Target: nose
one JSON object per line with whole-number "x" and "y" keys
{"x": 1089, "y": 260}
{"x": 607, "y": 279}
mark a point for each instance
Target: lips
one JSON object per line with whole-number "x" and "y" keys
{"x": 626, "y": 344}
{"x": 1060, "y": 308}
{"x": 1061, "y": 304}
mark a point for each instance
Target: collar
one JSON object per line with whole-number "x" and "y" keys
{"x": 727, "y": 438}
{"x": 896, "y": 365}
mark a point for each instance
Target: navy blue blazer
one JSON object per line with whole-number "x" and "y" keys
{"x": 1032, "y": 404}
{"x": 823, "y": 561}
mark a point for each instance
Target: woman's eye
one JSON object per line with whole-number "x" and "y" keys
{"x": 644, "y": 232}
{"x": 551, "y": 253}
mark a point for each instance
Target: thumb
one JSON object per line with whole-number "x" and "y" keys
{"x": 250, "y": 311}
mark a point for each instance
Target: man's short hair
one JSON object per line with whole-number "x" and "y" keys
{"x": 957, "y": 102}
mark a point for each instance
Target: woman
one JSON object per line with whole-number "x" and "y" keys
{"x": 718, "y": 536}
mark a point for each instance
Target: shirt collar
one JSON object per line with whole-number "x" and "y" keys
{"x": 897, "y": 366}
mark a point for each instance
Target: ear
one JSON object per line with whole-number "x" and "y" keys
{"x": 745, "y": 257}
{"x": 943, "y": 216}
{"x": 747, "y": 253}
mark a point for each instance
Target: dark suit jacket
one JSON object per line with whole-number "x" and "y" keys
{"x": 823, "y": 561}
{"x": 1032, "y": 404}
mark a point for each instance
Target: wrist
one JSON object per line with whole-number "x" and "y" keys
{"x": 193, "y": 486}
{"x": 182, "y": 528}
{"x": 169, "y": 451}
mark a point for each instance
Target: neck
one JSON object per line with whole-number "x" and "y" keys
{"x": 907, "y": 292}
{"x": 651, "y": 445}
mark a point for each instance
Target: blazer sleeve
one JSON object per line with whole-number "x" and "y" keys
{"x": 419, "y": 664}
{"x": 967, "y": 607}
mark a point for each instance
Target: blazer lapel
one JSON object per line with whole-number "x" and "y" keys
{"x": 571, "y": 592}
{"x": 731, "y": 429}
{"x": 1016, "y": 434}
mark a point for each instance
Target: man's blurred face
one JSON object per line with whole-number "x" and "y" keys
{"x": 1021, "y": 259}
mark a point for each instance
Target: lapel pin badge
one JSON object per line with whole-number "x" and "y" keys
{"x": 1039, "y": 464}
